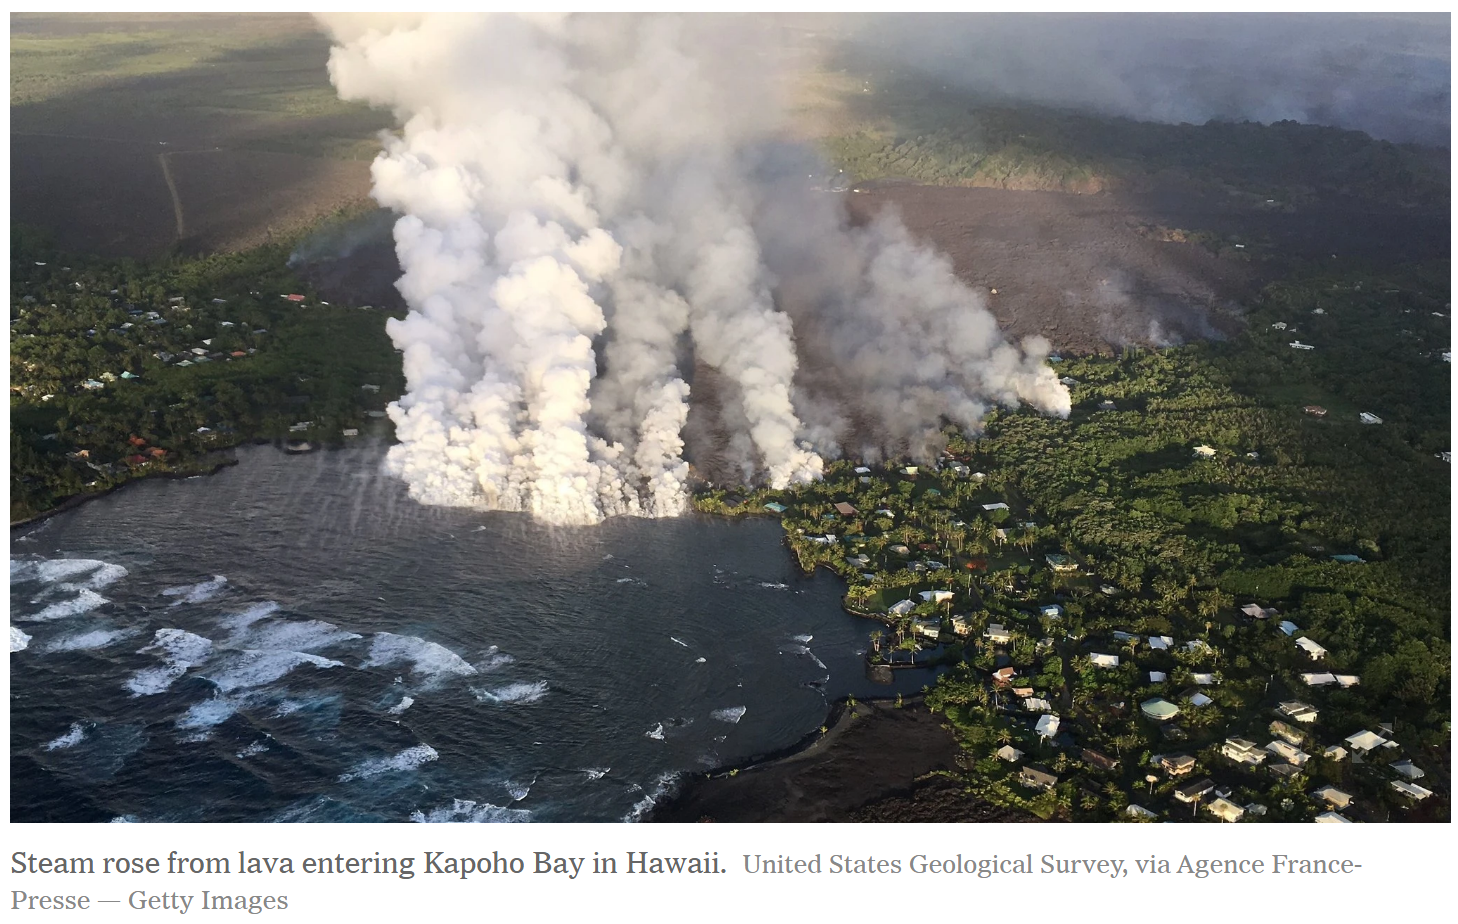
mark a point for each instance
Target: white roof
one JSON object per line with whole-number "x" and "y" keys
{"x": 1408, "y": 769}
{"x": 862, "y": 470}
{"x": 1347, "y": 680}
{"x": 1009, "y": 753}
{"x": 1157, "y": 677}
{"x": 1310, "y": 647}
{"x": 1139, "y": 811}
{"x": 1332, "y": 818}
{"x": 1200, "y": 699}
{"x": 1161, "y": 642}
{"x": 1411, "y": 789}
{"x": 936, "y": 596}
{"x": 1047, "y": 725}
{"x": 1365, "y": 740}
{"x": 1204, "y": 680}
{"x": 997, "y": 506}
{"x": 1318, "y": 680}
{"x": 1104, "y": 660}
{"x": 1034, "y": 704}
{"x": 902, "y": 608}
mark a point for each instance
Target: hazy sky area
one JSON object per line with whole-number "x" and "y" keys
{"x": 1385, "y": 74}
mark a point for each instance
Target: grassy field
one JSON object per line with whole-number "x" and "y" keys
{"x": 239, "y": 108}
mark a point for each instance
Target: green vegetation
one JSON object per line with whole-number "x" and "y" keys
{"x": 122, "y": 369}
{"x": 901, "y": 126}
{"x": 1168, "y": 544}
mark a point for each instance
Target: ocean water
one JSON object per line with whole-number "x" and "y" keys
{"x": 294, "y": 639}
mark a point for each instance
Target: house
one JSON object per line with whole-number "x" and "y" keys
{"x": 1287, "y": 733}
{"x": 979, "y": 476}
{"x": 350, "y": 431}
{"x": 1122, "y": 636}
{"x": 1349, "y": 559}
{"x": 1104, "y": 660}
{"x": 1096, "y": 759}
{"x": 1368, "y": 418}
{"x": 1298, "y": 345}
{"x": 858, "y": 561}
{"x": 1365, "y": 741}
{"x": 1107, "y": 406}
{"x": 929, "y": 629}
{"x": 1158, "y": 709}
{"x": 293, "y": 298}
{"x": 1158, "y": 676}
{"x": 1047, "y": 726}
{"x": 1318, "y": 680}
{"x": 1022, "y": 692}
{"x": 1314, "y": 651}
{"x": 1284, "y": 771}
{"x": 1335, "y": 752}
{"x": 1009, "y": 753}
{"x": 1004, "y": 674}
{"x": 997, "y": 506}
{"x": 900, "y": 550}
{"x": 1347, "y": 680}
{"x": 1068, "y": 380}
{"x": 844, "y": 509}
{"x": 1037, "y": 704}
{"x": 775, "y": 508}
{"x": 902, "y": 608}
{"x": 1299, "y": 711}
{"x": 129, "y": 376}
{"x": 1060, "y": 563}
{"x": 1291, "y": 755}
{"x": 1205, "y": 680}
{"x": 1288, "y": 627}
{"x": 1199, "y": 699}
{"x": 1140, "y": 812}
{"x": 1051, "y": 610}
{"x": 936, "y": 596}
{"x": 1256, "y": 611}
{"x": 1160, "y": 642}
{"x": 1243, "y": 752}
{"x": 1333, "y": 797}
{"x": 1332, "y": 818}
{"x": 1195, "y": 791}
{"x": 1036, "y": 778}
{"x": 92, "y": 385}
{"x": 1315, "y": 410}
{"x": 1204, "y": 452}
{"x": 1175, "y": 764}
{"x": 961, "y": 626}
{"x": 910, "y": 470}
{"x": 1225, "y": 810}
{"x": 1411, "y": 790}
{"x": 1407, "y": 769}
{"x": 997, "y": 634}
{"x": 1279, "y": 325}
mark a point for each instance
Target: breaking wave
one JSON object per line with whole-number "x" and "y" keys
{"x": 84, "y": 602}
{"x": 731, "y": 714}
{"x": 304, "y": 635}
{"x": 516, "y": 693}
{"x": 70, "y": 739}
{"x": 409, "y": 759}
{"x": 254, "y": 668}
{"x": 19, "y": 641}
{"x": 179, "y": 651}
{"x": 470, "y": 812}
{"x": 662, "y": 786}
{"x": 426, "y": 658}
{"x": 197, "y": 593}
{"x": 89, "y": 641}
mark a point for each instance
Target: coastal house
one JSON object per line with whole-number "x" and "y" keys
{"x": 929, "y": 629}
{"x": 1318, "y": 680}
{"x": 962, "y": 626}
{"x": 1335, "y": 752}
{"x": 1198, "y": 699}
{"x": 1204, "y": 452}
{"x": 1369, "y": 418}
{"x": 775, "y": 508}
{"x": 1104, "y": 660}
{"x": 1288, "y": 627}
{"x": 1004, "y": 674}
{"x": 910, "y": 470}
{"x": 1291, "y": 755}
{"x": 1301, "y": 712}
{"x": 901, "y": 608}
{"x": 1140, "y": 812}
{"x": 1037, "y": 704}
{"x": 1159, "y": 709}
{"x": 1175, "y": 764}
{"x": 1333, "y": 797}
{"x": 1283, "y": 771}
{"x": 997, "y": 506}
{"x": 1060, "y": 563}
{"x": 1100, "y": 760}
{"x": 1298, "y": 345}
{"x": 1050, "y": 610}
{"x": 1107, "y": 405}
{"x": 1408, "y": 770}
{"x": 1037, "y": 778}
{"x": 1047, "y": 726}
{"x": 1287, "y": 733}
{"x": 1022, "y": 692}
{"x": 1313, "y": 651}
{"x": 1009, "y": 753}
{"x": 1243, "y": 752}
{"x": 1225, "y": 810}
{"x": 997, "y": 634}
{"x": 1347, "y": 680}
{"x": 1256, "y": 611}
{"x": 1205, "y": 680}
{"x": 844, "y": 509}
{"x": 1332, "y": 818}
{"x": 1411, "y": 790}
{"x": 936, "y": 596}
{"x": 1365, "y": 741}
{"x": 1195, "y": 791}
{"x": 1160, "y": 642}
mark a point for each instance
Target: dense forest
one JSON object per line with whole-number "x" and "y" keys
{"x": 1191, "y": 488}
{"x": 120, "y": 369}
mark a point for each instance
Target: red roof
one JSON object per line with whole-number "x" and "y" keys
{"x": 137, "y": 441}
{"x": 294, "y": 298}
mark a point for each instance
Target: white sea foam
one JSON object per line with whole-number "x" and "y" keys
{"x": 730, "y": 714}
{"x": 89, "y": 641}
{"x": 250, "y": 614}
{"x": 656, "y": 732}
{"x": 426, "y": 658}
{"x": 124, "y": 820}
{"x": 104, "y": 576}
{"x": 52, "y": 570}
{"x": 197, "y": 593}
{"x": 771, "y": 585}
{"x": 400, "y": 707}
{"x": 409, "y": 759}
{"x": 252, "y": 668}
{"x": 470, "y": 812}
{"x": 84, "y": 602}
{"x": 179, "y": 651}
{"x": 803, "y": 639}
{"x": 518, "y": 791}
{"x": 661, "y": 787}
{"x": 494, "y": 659}
{"x": 299, "y": 635}
{"x": 19, "y": 641}
{"x": 254, "y": 749}
{"x": 70, "y": 739}
{"x": 700, "y": 660}
{"x": 210, "y": 713}
{"x": 513, "y": 693}
{"x": 596, "y": 773}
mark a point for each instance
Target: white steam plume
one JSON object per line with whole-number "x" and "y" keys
{"x": 586, "y": 211}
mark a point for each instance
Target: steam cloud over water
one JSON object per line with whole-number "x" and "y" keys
{"x": 590, "y": 206}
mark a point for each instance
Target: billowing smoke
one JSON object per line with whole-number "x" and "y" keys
{"x": 588, "y": 211}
